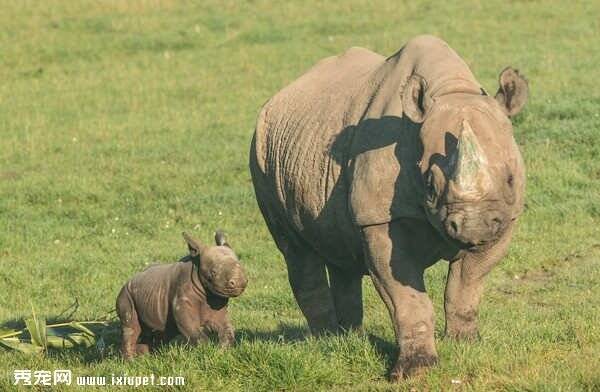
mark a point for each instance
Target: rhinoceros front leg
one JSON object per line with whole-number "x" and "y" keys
{"x": 399, "y": 280}
{"x": 188, "y": 320}
{"x": 308, "y": 279}
{"x": 346, "y": 288}
{"x": 226, "y": 332}
{"x": 464, "y": 288}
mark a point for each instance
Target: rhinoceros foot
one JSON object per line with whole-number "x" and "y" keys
{"x": 412, "y": 366}
{"x": 468, "y": 335}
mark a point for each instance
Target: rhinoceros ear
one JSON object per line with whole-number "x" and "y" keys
{"x": 513, "y": 91}
{"x": 413, "y": 98}
{"x": 194, "y": 246}
{"x": 221, "y": 238}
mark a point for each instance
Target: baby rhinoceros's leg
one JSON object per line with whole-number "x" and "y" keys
{"x": 130, "y": 325}
{"x": 145, "y": 344}
{"x": 142, "y": 348}
{"x": 226, "y": 332}
{"x": 188, "y": 320}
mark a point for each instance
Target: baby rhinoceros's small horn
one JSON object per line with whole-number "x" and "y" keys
{"x": 221, "y": 238}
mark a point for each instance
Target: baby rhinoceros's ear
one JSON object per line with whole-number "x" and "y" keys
{"x": 194, "y": 245}
{"x": 221, "y": 238}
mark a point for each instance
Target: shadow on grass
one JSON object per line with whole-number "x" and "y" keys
{"x": 385, "y": 349}
{"x": 285, "y": 333}
{"x": 12, "y": 324}
{"x": 291, "y": 333}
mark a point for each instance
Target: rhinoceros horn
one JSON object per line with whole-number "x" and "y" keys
{"x": 471, "y": 176}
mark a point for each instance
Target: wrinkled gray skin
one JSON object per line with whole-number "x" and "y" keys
{"x": 187, "y": 298}
{"x": 368, "y": 165}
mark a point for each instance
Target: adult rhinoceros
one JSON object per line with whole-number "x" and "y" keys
{"x": 385, "y": 166}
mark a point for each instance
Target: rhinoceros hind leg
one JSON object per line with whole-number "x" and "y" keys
{"x": 307, "y": 276}
{"x": 142, "y": 348}
{"x": 130, "y": 325}
{"x": 346, "y": 289}
{"x": 399, "y": 281}
{"x": 129, "y": 336}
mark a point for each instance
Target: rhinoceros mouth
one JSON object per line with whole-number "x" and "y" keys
{"x": 469, "y": 242}
{"x": 228, "y": 293}
{"x": 461, "y": 244}
{"x": 456, "y": 242}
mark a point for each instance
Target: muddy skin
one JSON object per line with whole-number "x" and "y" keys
{"x": 367, "y": 165}
{"x": 184, "y": 300}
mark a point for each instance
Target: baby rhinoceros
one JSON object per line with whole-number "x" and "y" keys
{"x": 187, "y": 298}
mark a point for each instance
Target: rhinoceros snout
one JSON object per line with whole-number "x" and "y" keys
{"x": 236, "y": 282}
{"x": 475, "y": 228}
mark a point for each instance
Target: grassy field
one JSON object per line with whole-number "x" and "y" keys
{"x": 124, "y": 123}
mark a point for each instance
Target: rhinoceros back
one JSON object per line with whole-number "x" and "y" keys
{"x": 298, "y": 150}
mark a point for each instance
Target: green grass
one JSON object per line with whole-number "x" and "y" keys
{"x": 124, "y": 123}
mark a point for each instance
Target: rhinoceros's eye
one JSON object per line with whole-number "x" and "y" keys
{"x": 430, "y": 187}
{"x": 510, "y": 180}
{"x": 212, "y": 274}
{"x": 509, "y": 189}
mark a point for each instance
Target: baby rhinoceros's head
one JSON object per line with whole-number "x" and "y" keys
{"x": 219, "y": 269}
